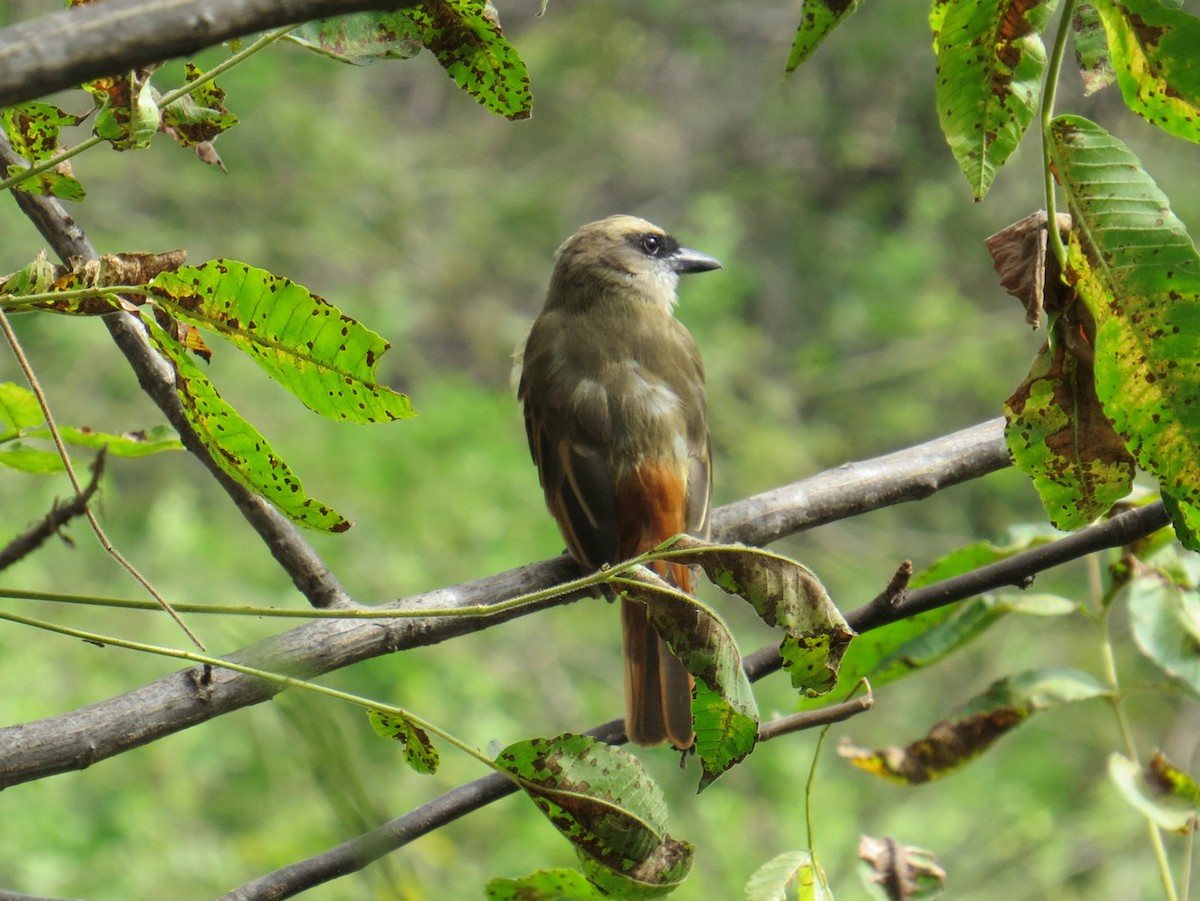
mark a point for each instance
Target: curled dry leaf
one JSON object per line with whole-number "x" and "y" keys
{"x": 1027, "y": 268}
{"x": 903, "y": 872}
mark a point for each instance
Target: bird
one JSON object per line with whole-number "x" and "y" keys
{"x": 613, "y": 391}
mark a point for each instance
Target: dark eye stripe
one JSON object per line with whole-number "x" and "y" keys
{"x": 654, "y": 244}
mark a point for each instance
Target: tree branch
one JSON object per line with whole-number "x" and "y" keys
{"x": 71, "y": 46}
{"x": 77, "y": 739}
{"x": 60, "y": 514}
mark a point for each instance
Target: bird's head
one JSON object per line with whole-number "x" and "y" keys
{"x": 622, "y": 257}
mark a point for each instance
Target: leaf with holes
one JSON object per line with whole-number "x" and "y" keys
{"x": 325, "y": 358}
{"x": 33, "y": 130}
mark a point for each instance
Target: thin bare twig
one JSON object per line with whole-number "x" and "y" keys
{"x": 50, "y": 524}
{"x": 811, "y": 719}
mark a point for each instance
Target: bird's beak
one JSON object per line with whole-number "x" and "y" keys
{"x": 687, "y": 260}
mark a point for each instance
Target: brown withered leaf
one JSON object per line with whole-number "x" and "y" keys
{"x": 953, "y": 743}
{"x": 207, "y": 154}
{"x": 1058, "y": 433}
{"x": 187, "y": 335}
{"x": 947, "y": 747}
{"x": 903, "y": 872}
{"x": 43, "y": 277}
{"x": 1027, "y": 269}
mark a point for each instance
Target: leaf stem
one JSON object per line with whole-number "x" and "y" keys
{"x": 1049, "y": 91}
{"x": 16, "y": 303}
{"x": 1109, "y": 663}
{"x": 266, "y": 675}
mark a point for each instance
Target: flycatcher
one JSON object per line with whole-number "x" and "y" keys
{"x": 613, "y": 390}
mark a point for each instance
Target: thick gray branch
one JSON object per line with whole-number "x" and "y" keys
{"x": 77, "y": 739}
{"x": 74, "y": 45}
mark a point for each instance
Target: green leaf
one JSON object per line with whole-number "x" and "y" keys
{"x": 361, "y": 38}
{"x": 465, "y": 37}
{"x": 1185, "y": 520}
{"x": 787, "y": 876}
{"x": 726, "y": 729}
{"x": 129, "y": 444}
{"x": 990, "y": 62}
{"x": 1153, "y": 48}
{"x": 19, "y": 409}
{"x": 726, "y": 714}
{"x": 1161, "y": 793}
{"x": 874, "y": 654}
{"x": 967, "y": 622}
{"x": 236, "y": 446}
{"x": 1091, "y": 48}
{"x": 544, "y": 885}
{"x": 1132, "y": 262}
{"x": 16, "y": 455}
{"x": 817, "y": 19}
{"x": 785, "y": 595}
{"x": 1058, "y": 435}
{"x": 953, "y": 743}
{"x": 419, "y": 752}
{"x": 1165, "y": 618}
{"x": 33, "y": 130}
{"x": 606, "y": 804}
{"x": 326, "y": 359}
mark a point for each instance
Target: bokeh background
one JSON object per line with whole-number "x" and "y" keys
{"x": 857, "y": 313}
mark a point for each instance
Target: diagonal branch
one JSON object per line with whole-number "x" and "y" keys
{"x": 50, "y": 524}
{"x": 71, "y": 46}
{"x": 77, "y": 739}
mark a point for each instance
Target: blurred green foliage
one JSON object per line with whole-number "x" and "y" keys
{"x": 857, "y": 313}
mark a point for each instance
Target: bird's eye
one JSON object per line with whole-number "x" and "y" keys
{"x": 652, "y": 244}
